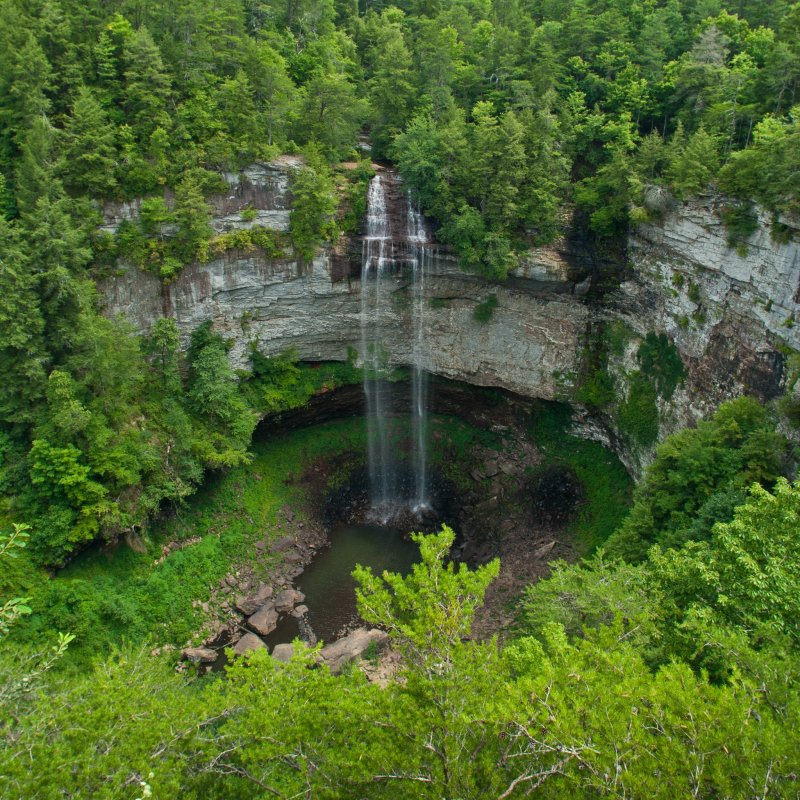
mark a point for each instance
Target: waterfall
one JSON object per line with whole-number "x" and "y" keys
{"x": 382, "y": 258}
{"x": 374, "y": 264}
{"x": 420, "y": 254}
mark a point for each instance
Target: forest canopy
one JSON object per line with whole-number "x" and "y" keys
{"x": 666, "y": 664}
{"x": 504, "y": 118}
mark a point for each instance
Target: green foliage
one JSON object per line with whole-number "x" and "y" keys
{"x": 596, "y": 386}
{"x": 22, "y": 676}
{"x": 483, "y": 311}
{"x": 354, "y": 196}
{"x": 280, "y": 384}
{"x": 661, "y": 363}
{"x": 693, "y": 162}
{"x": 462, "y": 718}
{"x": 137, "y": 595}
{"x": 637, "y": 417}
{"x": 746, "y": 571}
{"x": 606, "y": 484}
{"x": 191, "y": 214}
{"x": 272, "y": 243}
{"x": 737, "y": 446}
{"x": 313, "y": 205}
{"x": 430, "y": 610}
{"x": 660, "y": 374}
{"x": 213, "y": 393}
{"x": 741, "y": 222}
{"x": 89, "y": 154}
{"x": 595, "y": 593}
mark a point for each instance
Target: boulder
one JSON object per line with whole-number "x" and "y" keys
{"x": 544, "y": 550}
{"x": 300, "y": 611}
{"x": 284, "y": 543}
{"x": 248, "y": 644}
{"x": 265, "y": 620}
{"x": 352, "y": 646}
{"x": 283, "y": 652}
{"x": 490, "y": 468}
{"x": 253, "y": 601}
{"x": 288, "y": 599}
{"x": 199, "y": 655}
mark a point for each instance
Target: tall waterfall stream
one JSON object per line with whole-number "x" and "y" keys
{"x": 386, "y": 254}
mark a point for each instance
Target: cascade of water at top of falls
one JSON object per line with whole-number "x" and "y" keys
{"x": 389, "y": 494}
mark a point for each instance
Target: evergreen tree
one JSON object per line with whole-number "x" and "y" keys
{"x": 693, "y": 164}
{"x": 35, "y": 168}
{"x": 146, "y": 85}
{"x": 191, "y": 213}
{"x": 313, "y": 205}
{"x": 23, "y": 352}
{"x": 273, "y": 91}
{"x": 88, "y": 153}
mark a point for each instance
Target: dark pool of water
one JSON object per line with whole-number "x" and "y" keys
{"x": 329, "y": 587}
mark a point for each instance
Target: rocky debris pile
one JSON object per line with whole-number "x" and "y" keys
{"x": 356, "y": 645}
{"x": 247, "y": 592}
{"x": 251, "y": 602}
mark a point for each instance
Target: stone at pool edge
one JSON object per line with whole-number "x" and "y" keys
{"x": 249, "y": 643}
{"x": 265, "y": 620}
{"x": 288, "y": 599}
{"x": 255, "y": 600}
{"x": 283, "y": 653}
{"x": 199, "y": 655}
{"x": 350, "y": 647}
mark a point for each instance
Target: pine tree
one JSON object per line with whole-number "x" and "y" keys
{"x": 23, "y": 355}
{"x": 273, "y": 91}
{"x": 30, "y": 82}
{"x": 34, "y": 175}
{"x": 147, "y": 85}
{"x": 89, "y": 154}
{"x": 191, "y": 214}
{"x": 693, "y": 165}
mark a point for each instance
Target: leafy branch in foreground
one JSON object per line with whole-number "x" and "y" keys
{"x": 31, "y": 667}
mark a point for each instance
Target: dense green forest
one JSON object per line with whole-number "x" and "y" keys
{"x": 501, "y": 116}
{"x": 672, "y": 675}
{"x": 665, "y": 665}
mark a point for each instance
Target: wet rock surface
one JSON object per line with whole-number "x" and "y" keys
{"x": 248, "y": 643}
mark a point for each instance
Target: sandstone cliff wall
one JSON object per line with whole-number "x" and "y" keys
{"x": 731, "y": 315}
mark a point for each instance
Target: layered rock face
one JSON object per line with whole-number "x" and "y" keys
{"x": 730, "y": 314}
{"x": 314, "y": 308}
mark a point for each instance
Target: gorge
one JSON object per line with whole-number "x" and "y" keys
{"x": 400, "y": 400}
{"x": 727, "y": 312}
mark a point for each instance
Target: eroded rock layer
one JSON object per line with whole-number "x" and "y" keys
{"x": 731, "y": 313}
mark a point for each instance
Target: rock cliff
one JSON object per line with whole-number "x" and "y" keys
{"x": 314, "y": 308}
{"x": 730, "y": 314}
